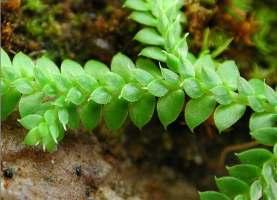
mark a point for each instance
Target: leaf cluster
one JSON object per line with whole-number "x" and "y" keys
{"x": 254, "y": 178}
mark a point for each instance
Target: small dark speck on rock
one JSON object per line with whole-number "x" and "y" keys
{"x": 78, "y": 170}
{"x": 8, "y": 173}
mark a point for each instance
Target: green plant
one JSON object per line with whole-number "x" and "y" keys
{"x": 208, "y": 82}
{"x": 51, "y": 100}
{"x": 253, "y": 179}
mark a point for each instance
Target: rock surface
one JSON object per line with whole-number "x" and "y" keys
{"x": 80, "y": 169}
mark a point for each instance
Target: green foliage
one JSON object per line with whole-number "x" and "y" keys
{"x": 78, "y": 95}
{"x": 50, "y": 99}
{"x": 253, "y": 179}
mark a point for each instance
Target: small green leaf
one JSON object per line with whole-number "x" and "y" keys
{"x": 8, "y": 102}
{"x": 142, "y": 76}
{"x": 41, "y": 77}
{"x": 139, "y": 5}
{"x": 211, "y": 195}
{"x": 63, "y": 116}
{"x": 149, "y": 66}
{"x": 244, "y": 87}
{"x": 23, "y": 86}
{"x": 255, "y": 103}
{"x": 87, "y": 82}
{"x": 144, "y": 18}
{"x": 30, "y": 104}
{"x": 262, "y": 120}
{"x": 142, "y": 111}
{"x": 95, "y": 68}
{"x": 54, "y": 132}
{"x": 258, "y": 86}
{"x": 173, "y": 62}
{"x": 192, "y": 88}
{"x": 172, "y": 79}
{"x": 241, "y": 197}
{"x": 205, "y": 61}
{"x": 267, "y": 136}
{"x": 231, "y": 186}
{"x": 226, "y": 115}
{"x": 245, "y": 172}
{"x": 30, "y": 121}
{"x": 112, "y": 82}
{"x": 100, "y": 96}
{"x": 51, "y": 119}
{"x": 90, "y": 115}
{"x": 210, "y": 77}
{"x": 256, "y": 190}
{"x": 221, "y": 94}
{"x": 170, "y": 106}
{"x": 198, "y": 110}
{"x": 187, "y": 69}
{"x": 47, "y": 66}
{"x": 153, "y": 53}
{"x": 255, "y": 156}
{"x": 24, "y": 64}
{"x": 47, "y": 142}
{"x": 70, "y": 69}
{"x": 115, "y": 113}
{"x": 59, "y": 102}
{"x": 5, "y": 59}
{"x": 61, "y": 83}
{"x": 271, "y": 95}
{"x": 122, "y": 65}
{"x": 9, "y": 73}
{"x": 229, "y": 74}
{"x": 131, "y": 92}
{"x": 49, "y": 90}
{"x": 73, "y": 117}
{"x": 149, "y": 36}
{"x": 157, "y": 88}
{"x": 74, "y": 96}
{"x": 33, "y": 137}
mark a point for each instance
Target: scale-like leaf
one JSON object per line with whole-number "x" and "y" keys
{"x": 157, "y": 88}
{"x": 198, "y": 110}
{"x": 211, "y": 195}
{"x": 255, "y": 156}
{"x": 170, "y": 106}
{"x": 100, "y": 96}
{"x": 267, "y": 136}
{"x": 24, "y": 64}
{"x": 155, "y": 53}
{"x": 23, "y": 86}
{"x": 142, "y": 111}
{"x": 131, "y": 92}
{"x": 75, "y": 96}
{"x": 226, "y": 115}
{"x": 122, "y": 65}
{"x": 143, "y": 18}
{"x": 149, "y": 36}
{"x": 231, "y": 186}
{"x": 139, "y": 5}
{"x": 115, "y": 113}
{"x": 95, "y": 68}
{"x": 246, "y": 172}
{"x": 192, "y": 88}
{"x": 31, "y": 121}
{"x": 90, "y": 114}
